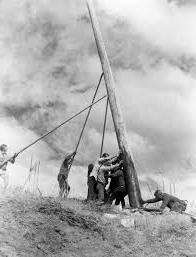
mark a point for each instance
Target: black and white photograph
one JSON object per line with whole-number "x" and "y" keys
{"x": 98, "y": 128}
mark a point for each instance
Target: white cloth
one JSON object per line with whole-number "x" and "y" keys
{"x": 5, "y": 178}
{"x": 99, "y": 169}
{"x": 97, "y": 166}
{"x": 95, "y": 169}
{"x": 3, "y": 157}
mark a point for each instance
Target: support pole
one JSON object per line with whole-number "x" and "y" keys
{"x": 132, "y": 183}
{"x": 104, "y": 126}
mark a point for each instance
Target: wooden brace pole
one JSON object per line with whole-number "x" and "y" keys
{"x": 132, "y": 183}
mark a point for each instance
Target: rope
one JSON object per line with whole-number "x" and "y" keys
{"x": 87, "y": 116}
{"x": 85, "y": 122}
{"x": 104, "y": 126}
{"x": 30, "y": 173}
{"x": 48, "y": 133}
{"x": 81, "y": 133}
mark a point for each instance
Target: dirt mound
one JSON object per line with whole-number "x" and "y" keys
{"x": 32, "y": 226}
{"x": 87, "y": 222}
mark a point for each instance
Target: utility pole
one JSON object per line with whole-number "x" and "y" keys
{"x": 132, "y": 183}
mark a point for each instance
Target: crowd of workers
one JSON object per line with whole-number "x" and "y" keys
{"x": 102, "y": 192}
{"x": 99, "y": 173}
{"x": 113, "y": 168}
{"x": 104, "y": 168}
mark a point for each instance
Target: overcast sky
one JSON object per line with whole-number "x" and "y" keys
{"x": 50, "y": 68}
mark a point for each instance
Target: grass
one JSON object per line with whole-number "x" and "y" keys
{"x": 39, "y": 226}
{"x": 166, "y": 225}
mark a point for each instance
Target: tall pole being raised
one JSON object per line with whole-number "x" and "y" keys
{"x": 132, "y": 183}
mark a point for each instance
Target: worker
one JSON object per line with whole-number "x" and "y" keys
{"x": 91, "y": 182}
{"x": 172, "y": 202}
{"x": 117, "y": 189}
{"x": 107, "y": 160}
{"x": 63, "y": 175}
{"x": 104, "y": 167}
{"x": 3, "y": 170}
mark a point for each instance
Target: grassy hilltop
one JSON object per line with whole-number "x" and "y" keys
{"x": 36, "y": 226}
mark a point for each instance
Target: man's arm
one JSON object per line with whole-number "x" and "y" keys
{"x": 109, "y": 159}
{"x": 69, "y": 158}
{"x": 154, "y": 200}
{"x": 72, "y": 155}
{"x": 116, "y": 174}
{"x": 164, "y": 203}
{"x": 106, "y": 168}
{"x": 111, "y": 167}
{"x": 113, "y": 160}
{"x": 101, "y": 159}
{"x": 12, "y": 160}
{"x": 109, "y": 190}
{"x": 117, "y": 158}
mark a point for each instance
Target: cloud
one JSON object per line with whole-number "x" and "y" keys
{"x": 50, "y": 69}
{"x": 183, "y": 2}
{"x": 17, "y": 137}
{"x": 164, "y": 25}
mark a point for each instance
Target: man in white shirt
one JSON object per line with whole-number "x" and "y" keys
{"x": 101, "y": 166}
{"x": 3, "y": 170}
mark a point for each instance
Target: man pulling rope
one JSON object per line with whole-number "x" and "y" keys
{"x": 63, "y": 175}
{"x": 3, "y": 169}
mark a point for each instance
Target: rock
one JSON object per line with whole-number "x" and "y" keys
{"x": 193, "y": 219}
{"x": 41, "y": 247}
{"x": 118, "y": 245}
{"x": 110, "y": 216}
{"x": 126, "y": 211}
{"x": 128, "y": 222}
{"x": 57, "y": 230}
{"x": 188, "y": 254}
{"x": 117, "y": 208}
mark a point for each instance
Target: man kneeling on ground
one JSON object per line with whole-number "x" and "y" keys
{"x": 170, "y": 201}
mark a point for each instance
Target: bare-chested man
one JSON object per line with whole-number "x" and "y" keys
{"x": 63, "y": 175}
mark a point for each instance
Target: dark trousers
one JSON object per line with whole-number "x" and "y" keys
{"x": 120, "y": 199}
{"x": 119, "y": 194}
{"x": 63, "y": 185}
{"x": 101, "y": 191}
{"x": 92, "y": 194}
{"x": 178, "y": 207}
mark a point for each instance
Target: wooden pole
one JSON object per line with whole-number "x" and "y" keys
{"x": 132, "y": 183}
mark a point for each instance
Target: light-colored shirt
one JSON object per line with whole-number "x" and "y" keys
{"x": 102, "y": 170}
{"x": 97, "y": 166}
{"x": 3, "y": 157}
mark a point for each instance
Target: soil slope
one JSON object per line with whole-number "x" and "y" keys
{"x": 33, "y": 226}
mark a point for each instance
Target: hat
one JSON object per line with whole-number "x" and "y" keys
{"x": 158, "y": 191}
{"x": 105, "y": 155}
{"x": 2, "y": 146}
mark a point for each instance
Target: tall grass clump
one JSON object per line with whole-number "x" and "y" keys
{"x": 167, "y": 225}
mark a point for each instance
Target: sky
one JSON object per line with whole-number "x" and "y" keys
{"x": 49, "y": 71}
